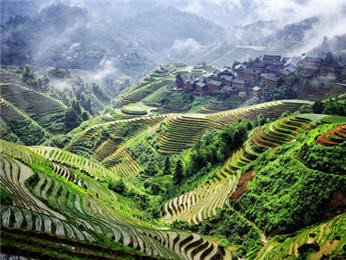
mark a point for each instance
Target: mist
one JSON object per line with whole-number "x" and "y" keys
{"x": 132, "y": 36}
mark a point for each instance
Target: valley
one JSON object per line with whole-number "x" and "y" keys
{"x": 187, "y": 130}
{"x": 109, "y": 186}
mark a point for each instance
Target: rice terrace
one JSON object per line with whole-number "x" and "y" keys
{"x": 185, "y": 130}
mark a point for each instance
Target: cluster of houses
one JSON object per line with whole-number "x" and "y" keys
{"x": 243, "y": 79}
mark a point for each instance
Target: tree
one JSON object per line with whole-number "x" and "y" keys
{"x": 85, "y": 116}
{"x": 71, "y": 119}
{"x": 167, "y": 166}
{"x": 329, "y": 59}
{"x": 318, "y": 107}
{"x": 118, "y": 187}
{"x": 178, "y": 172}
{"x": 179, "y": 80}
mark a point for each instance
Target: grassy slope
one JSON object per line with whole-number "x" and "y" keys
{"x": 158, "y": 96}
{"x": 29, "y": 117}
{"x": 268, "y": 209}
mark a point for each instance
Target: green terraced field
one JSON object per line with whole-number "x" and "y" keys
{"x": 183, "y": 131}
{"x": 329, "y": 236}
{"x": 64, "y": 194}
{"x": 202, "y": 202}
{"x": 30, "y": 117}
{"x": 54, "y": 207}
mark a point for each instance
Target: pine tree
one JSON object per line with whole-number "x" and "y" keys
{"x": 178, "y": 172}
{"x": 179, "y": 81}
{"x": 167, "y": 166}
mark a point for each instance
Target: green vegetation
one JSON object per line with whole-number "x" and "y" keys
{"x": 5, "y": 197}
{"x": 94, "y": 212}
{"x": 284, "y": 188}
{"x": 178, "y": 186}
{"x": 234, "y": 229}
{"x": 95, "y": 165}
{"x": 330, "y": 160}
{"x": 323, "y": 240}
{"x": 332, "y": 106}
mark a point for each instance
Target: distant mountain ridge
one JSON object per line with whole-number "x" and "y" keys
{"x": 73, "y": 38}
{"x": 159, "y": 27}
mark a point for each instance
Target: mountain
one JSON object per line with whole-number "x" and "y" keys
{"x": 112, "y": 148}
{"x": 243, "y": 42}
{"x": 68, "y": 37}
{"x": 159, "y": 28}
{"x": 252, "y": 33}
{"x": 335, "y": 45}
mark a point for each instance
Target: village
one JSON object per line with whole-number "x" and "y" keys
{"x": 250, "y": 79}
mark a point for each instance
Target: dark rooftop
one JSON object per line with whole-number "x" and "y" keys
{"x": 258, "y": 64}
{"x": 271, "y": 57}
{"x": 239, "y": 81}
{"x": 248, "y": 71}
{"x": 214, "y": 82}
{"x": 226, "y": 70}
{"x": 270, "y": 76}
{"x": 226, "y": 77}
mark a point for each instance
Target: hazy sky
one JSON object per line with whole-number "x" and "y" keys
{"x": 223, "y": 12}
{"x": 246, "y": 11}
{"x": 227, "y": 13}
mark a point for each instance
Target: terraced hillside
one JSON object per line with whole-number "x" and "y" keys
{"x": 314, "y": 243}
{"x": 29, "y": 116}
{"x": 333, "y": 137}
{"x": 106, "y": 193}
{"x": 182, "y": 131}
{"x": 49, "y": 204}
{"x": 203, "y": 202}
{"x": 157, "y": 92}
{"x": 106, "y": 143}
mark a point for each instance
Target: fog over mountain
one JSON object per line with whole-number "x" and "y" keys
{"x": 134, "y": 36}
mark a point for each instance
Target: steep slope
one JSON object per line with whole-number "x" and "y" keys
{"x": 48, "y": 203}
{"x": 29, "y": 116}
{"x": 103, "y": 191}
{"x": 202, "y": 202}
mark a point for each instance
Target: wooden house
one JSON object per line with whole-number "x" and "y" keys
{"x": 270, "y": 59}
{"x": 226, "y": 71}
{"x": 213, "y": 85}
{"x": 309, "y": 71}
{"x": 271, "y": 80}
{"x": 240, "y": 83}
{"x": 200, "y": 88}
{"x": 285, "y": 74}
{"x": 214, "y": 75}
{"x": 188, "y": 84}
{"x": 310, "y": 61}
{"x": 275, "y": 67}
{"x": 247, "y": 74}
{"x": 226, "y": 80}
{"x": 328, "y": 73}
{"x": 258, "y": 67}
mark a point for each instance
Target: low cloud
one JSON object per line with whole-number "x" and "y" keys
{"x": 185, "y": 45}
{"x": 106, "y": 69}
